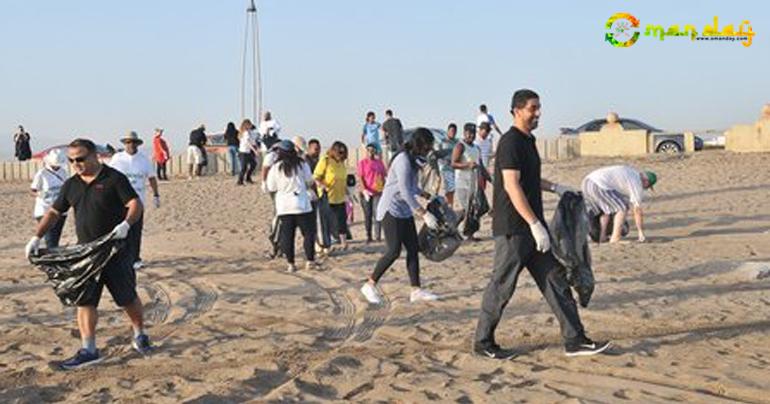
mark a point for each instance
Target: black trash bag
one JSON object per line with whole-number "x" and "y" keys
{"x": 439, "y": 244}
{"x": 479, "y": 207}
{"x": 569, "y": 235}
{"x": 74, "y": 270}
{"x": 594, "y": 227}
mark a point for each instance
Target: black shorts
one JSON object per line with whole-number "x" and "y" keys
{"x": 120, "y": 278}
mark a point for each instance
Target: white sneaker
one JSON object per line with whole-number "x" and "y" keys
{"x": 422, "y": 295}
{"x": 371, "y": 293}
{"x": 292, "y": 268}
{"x": 138, "y": 265}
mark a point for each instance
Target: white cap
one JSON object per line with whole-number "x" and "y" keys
{"x": 54, "y": 157}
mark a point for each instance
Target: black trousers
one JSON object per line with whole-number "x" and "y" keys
{"x": 134, "y": 240}
{"x": 370, "y": 211}
{"x": 341, "y": 219}
{"x": 248, "y": 165}
{"x": 399, "y": 232}
{"x": 289, "y": 224}
{"x": 161, "y": 170}
{"x": 512, "y": 254}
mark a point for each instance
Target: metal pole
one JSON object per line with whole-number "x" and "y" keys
{"x": 243, "y": 69}
{"x": 254, "y": 65}
{"x": 258, "y": 67}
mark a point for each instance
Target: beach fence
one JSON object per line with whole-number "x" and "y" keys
{"x": 560, "y": 148}
{"x": 20, "y": 171}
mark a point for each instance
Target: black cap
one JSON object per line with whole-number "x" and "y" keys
{"x": 470, "y": 127}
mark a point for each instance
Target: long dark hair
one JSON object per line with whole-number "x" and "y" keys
{"x": 290, "y": 161}
{"x": 422, "y": 139}
{"x": 231, "y": 131}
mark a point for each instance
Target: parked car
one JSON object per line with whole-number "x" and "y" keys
{"x": 665, "y": 142}
{"x": 104, "y": 152}
{"x": 439, "y": 135}
{"x": 714, "y": 139}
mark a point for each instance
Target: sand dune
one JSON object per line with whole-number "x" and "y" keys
{"x": 689, "y": 318}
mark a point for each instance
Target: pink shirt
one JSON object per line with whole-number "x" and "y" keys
{"x": 373, "y": 172}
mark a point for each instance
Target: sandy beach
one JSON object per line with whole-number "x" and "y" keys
{"x": 689, "y": 319}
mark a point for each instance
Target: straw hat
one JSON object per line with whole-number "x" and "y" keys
{"x": 299, "y": 141}
{"x": 131, "y": 136}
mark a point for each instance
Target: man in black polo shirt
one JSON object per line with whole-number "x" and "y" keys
{"x": 104, "y": 203}
{"x": 521, "y": 238}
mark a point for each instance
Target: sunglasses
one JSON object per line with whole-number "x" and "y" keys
{"x": 77, "y": 159}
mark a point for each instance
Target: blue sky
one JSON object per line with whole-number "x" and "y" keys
{"x": 100, "y": 68}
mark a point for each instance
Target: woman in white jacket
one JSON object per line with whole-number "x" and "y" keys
{"x": 46, "y": 187}
{"x": 290, "y": 178}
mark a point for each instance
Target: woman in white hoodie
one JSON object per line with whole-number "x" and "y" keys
{"x": 290, "y": 178}
{"x": 46, "y": 187}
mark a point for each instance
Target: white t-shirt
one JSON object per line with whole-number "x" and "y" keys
{"x": 246, "y": 142}
{"x": 624, "y": 179}
{"x": 486, "y": 147}
{"x": 271, "y": 126}
{"x": 291, "y": 193}
{"x": 137, "y": 168}
{"x": 48, "y": 184}
{"x": 488, "y": 118}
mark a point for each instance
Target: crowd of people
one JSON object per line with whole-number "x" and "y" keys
{"x": 315, "y": 191}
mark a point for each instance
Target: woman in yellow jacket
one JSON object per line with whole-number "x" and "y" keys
{"x": 331, "y": 175}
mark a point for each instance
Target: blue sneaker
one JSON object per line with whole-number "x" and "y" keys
{"x": 142, "y": 344}
{"x": 82, "y": 359}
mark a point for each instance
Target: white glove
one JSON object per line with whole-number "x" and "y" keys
{"x": 562, "y": 189}
{"x": 430, "y": 220}
{"x": 121, "y": 231}
{"x": 32, "y": 246}
{"x": 540, "y": 234}
{"x": 156, "y": 201}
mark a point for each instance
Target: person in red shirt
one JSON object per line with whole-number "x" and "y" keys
{"x": 160, "y": 154}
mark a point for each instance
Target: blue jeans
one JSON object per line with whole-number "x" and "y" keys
{"x": 232, "y": 151}
{"x": 53, "y": 235}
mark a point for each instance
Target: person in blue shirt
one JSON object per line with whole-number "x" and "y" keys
{"x": 371, "y": 131}
{"x": 396, "y": 210}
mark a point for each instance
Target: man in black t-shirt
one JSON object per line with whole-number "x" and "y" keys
{"x": 394, "y": 135}
{"x": 521, "y": 238}
{"x": 104, "y": 203}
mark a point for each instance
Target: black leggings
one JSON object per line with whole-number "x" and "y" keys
{"x": 161, "y": 170}
{"x": 289, "y": 224}
{"x": 248, "y": 164}
{"x": 399, "y": 232}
